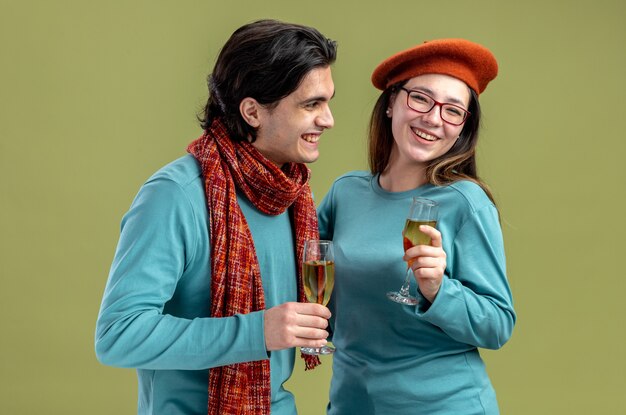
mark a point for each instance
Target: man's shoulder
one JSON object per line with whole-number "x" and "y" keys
{"x": 184, "y": 171}
{"x": 177, "y": 186}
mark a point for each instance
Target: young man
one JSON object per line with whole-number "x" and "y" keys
{"x": 202, "y": 297}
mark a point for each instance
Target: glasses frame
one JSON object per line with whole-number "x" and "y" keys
{"x": 435, "y": 104}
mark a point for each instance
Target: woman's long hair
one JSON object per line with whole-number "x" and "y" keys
{"x": 458, "y": 163}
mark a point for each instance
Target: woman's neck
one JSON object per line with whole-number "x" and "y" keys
{"x": 400, "y": 177}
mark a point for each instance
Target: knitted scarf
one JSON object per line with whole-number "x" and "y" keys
{"x": 236, "y": 287}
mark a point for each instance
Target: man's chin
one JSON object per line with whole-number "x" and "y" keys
{"x": 310, "y": 160}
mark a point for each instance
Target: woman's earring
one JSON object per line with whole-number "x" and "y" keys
{"x": 388, "y": 112}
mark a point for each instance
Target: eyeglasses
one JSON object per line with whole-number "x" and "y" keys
{"x": 423, "y": 103}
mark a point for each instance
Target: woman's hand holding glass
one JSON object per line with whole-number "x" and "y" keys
{"x": 422, "y": 212}
{"x": 428, "y": 263}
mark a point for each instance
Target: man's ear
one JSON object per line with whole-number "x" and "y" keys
{"x": 250, "y": 111}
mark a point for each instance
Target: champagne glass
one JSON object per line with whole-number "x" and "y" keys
{"x": 423, "y": 212}
{"x": 318, "y": 275}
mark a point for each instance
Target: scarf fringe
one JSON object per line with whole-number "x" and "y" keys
{"x": 310, "y": 362}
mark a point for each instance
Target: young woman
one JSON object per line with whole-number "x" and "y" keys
{"x": 419, "y": 359}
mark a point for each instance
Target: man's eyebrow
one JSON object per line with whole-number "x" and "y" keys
{"x": 319, "y": 98}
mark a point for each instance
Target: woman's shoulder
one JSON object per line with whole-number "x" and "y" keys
{"x": 469, "y": 193}
{"x": 348, "y": 185}
{"x": 352, "y": 179}
{"x": 358, "y": 175}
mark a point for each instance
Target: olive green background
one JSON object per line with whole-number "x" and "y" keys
{"x": 97, "y": 95}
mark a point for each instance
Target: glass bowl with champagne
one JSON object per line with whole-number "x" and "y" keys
{"x": 318, "y": 275}
{"x": 422, "y": 212}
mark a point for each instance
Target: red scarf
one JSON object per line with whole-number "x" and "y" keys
{"x": 236, "y": 286}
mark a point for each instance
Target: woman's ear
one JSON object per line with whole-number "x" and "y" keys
{"x": 249, "y": 109}
{"x": 392, "y": 100}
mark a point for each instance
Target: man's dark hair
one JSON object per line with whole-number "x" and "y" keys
{"x": 265, "y": 60}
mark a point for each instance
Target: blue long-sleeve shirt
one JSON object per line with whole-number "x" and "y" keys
{"x": 399, "y": 359}
{"x": 155, "y": 312}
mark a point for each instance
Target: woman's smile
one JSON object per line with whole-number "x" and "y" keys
{"x": 424, "y": 135}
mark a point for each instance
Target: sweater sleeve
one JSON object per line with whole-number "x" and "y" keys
{"x": 474, "y": 304}
{"x": 325, "y": 222}
{"x": 325, "y": 216}
{"x": 157, "y": 246}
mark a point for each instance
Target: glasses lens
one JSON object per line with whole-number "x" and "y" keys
{"x": 453, "y": 114}
{"x": 420, "y": 102}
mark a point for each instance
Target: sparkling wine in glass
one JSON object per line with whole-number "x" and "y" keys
{"x": 423, "y": 212}
{"x": 318, "y": 275}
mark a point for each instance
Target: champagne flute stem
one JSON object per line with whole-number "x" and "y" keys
{"x": 404, "y": 291}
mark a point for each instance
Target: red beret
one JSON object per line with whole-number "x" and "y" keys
{"x": 470, "y": 62}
